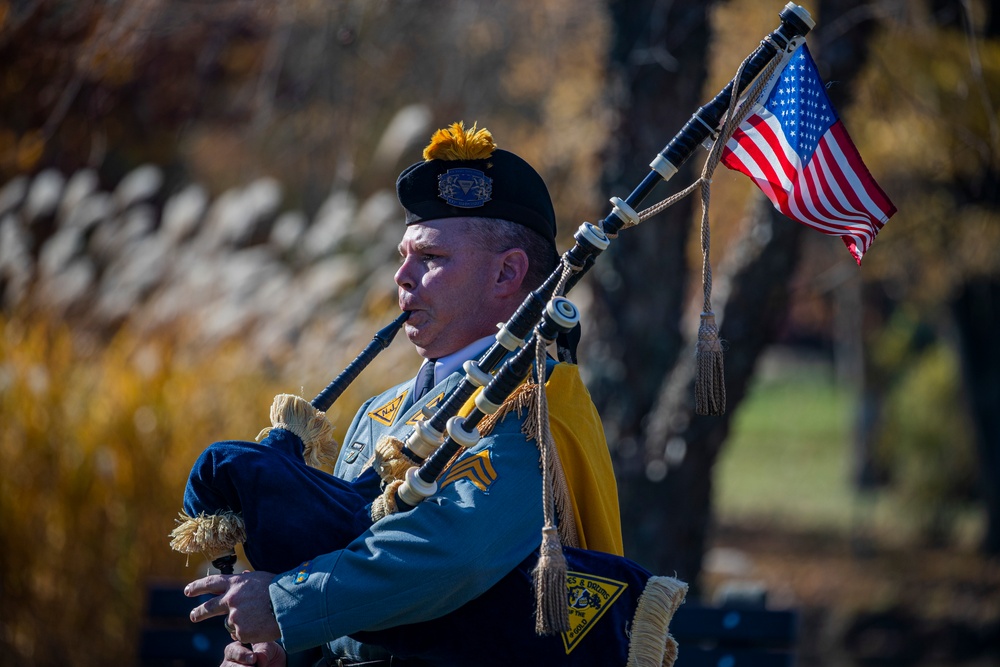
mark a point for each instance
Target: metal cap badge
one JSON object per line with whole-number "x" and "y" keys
{"x": 465, "y": 188}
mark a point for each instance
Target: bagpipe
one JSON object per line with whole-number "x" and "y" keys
{"x": 562, "y": 605}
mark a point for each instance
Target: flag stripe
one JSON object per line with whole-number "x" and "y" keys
{"x": 819, "y": 189}
{"x": 865, "y": 185}
{"x": 858, "y": 234}
{"x": 804, "y": 208}
{"x": 834, "y": 178}
{"x": 840, "y": 179}
{"x": 752, "y": 161}
{"x": 832, "y": 174}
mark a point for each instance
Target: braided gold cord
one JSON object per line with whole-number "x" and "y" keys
{"x": 549, "y": 575}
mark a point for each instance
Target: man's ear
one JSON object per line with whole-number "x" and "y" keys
{"x": 512, "y": 267}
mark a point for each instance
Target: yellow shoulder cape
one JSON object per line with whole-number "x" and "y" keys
{"x": 583, "y": 451}
{"x": 579, "y": 437}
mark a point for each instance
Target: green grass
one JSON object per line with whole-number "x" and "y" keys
{"x": 788, "y": 456}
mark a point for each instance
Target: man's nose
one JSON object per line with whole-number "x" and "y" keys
{"x": 404, "y": 275}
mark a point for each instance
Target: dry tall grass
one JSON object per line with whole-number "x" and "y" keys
{"x": 115, "y": 376}
{"x": 97, "y": 442}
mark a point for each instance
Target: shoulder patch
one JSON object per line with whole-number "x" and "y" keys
{"x": 478, "y": 469}
{"x": 303, "y": 574}
{"x": 589, "y": 597}
{"x": 428, "y": 409}
{"x": 386, "y": 414}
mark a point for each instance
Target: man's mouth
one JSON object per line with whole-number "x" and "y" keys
{"x": 416, "y": 317}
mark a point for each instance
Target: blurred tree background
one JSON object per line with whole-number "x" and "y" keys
{"x": 196, "y": 213}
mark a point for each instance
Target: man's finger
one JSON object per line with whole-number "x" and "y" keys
{"x": 213, "y": 583}
{"x": 213, "y": 607}
{"x": 240, "y": 654}
{"x": 269, "y": 654}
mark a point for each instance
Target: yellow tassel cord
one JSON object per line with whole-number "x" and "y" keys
{"x": 549, "y": 575}
{"x": 457, "y": 143}
{"x": 209, "y": 534}
{"x": 297, "y": 415}
{"x": 650, "y": 644}
{"x": 385, "y": 504}
{"x": 390, "y": 462}
{"x": 549, "y": 580}
{"x": 710, "y": 375}
{"x": 710, "y": 380}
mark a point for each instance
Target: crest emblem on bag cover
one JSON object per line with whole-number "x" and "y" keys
{"x": 589, "y": 596}
{"x": 465, "y": 188}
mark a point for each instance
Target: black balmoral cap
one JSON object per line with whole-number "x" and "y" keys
{"x": 500, "y": 185}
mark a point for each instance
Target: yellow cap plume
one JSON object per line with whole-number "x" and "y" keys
{"x": 457, "y": 143}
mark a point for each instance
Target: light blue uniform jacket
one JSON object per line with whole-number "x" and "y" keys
{"x": 414, "y": 566}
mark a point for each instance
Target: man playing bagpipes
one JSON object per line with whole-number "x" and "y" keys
{"x": 425, "y": 548}
{"x": 431, "y": 584}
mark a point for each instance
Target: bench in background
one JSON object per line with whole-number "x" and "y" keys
{"x": 732, "y": 636}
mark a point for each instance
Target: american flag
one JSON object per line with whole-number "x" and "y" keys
{"x": 797, "y": 151}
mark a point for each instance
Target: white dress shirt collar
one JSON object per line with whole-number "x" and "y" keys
{"x": 445, "y": 366}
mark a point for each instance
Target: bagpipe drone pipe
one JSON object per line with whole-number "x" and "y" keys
{"x": 611, "y": 610}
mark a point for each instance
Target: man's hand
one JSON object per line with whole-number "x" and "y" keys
{"x": 244, "y": 601}
{"x": 267, "y": 654}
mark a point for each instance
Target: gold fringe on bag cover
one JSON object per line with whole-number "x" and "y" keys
{"x": 209, "y": 534}
{"x": 385, "y": 504}
{"x": 670, "y": 653}
{"x": 650, "y": 644}
{"x": 296, "y": 414}
{"x": 390, "y": 462}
